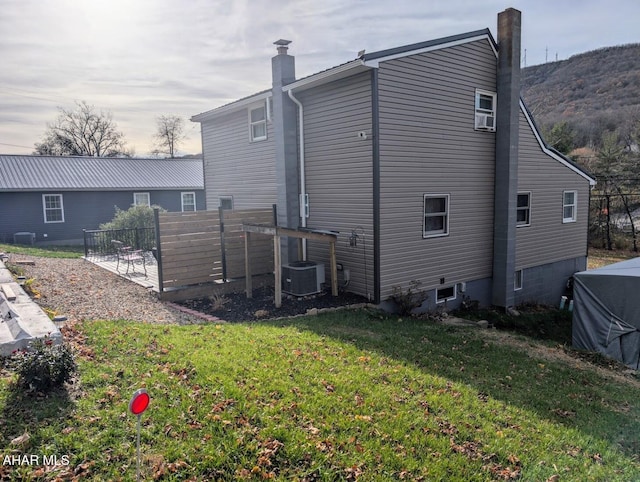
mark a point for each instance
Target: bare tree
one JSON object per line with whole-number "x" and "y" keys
{"x": 82, "y": 132}
{"x": 169, "y": 135}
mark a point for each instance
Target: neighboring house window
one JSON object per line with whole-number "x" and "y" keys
{"x": 53, "y": 208}
{"x": 188, "y": 201}
{"x": 569, "y": 201}
{"x": 226, "y": 202}
{"x": 485, "y": 110}
{"x": 436, "y": 215}
{"x": 523, "y": 213}
{"x": 517, "y": 280}
{"x": 445, "y": 294}
{"x": 258, "y": 123}
{"x": 141, "y": 199}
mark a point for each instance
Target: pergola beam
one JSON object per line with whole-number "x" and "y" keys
{"x": 277, "y": 232}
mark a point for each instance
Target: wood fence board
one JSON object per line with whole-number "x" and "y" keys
{"x": 191, "y": 246}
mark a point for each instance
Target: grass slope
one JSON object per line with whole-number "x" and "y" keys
{"x": 342, "y": 396}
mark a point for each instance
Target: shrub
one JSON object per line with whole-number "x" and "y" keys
{"x": 43, "y": 366}
{"x": 408, "y": 300}
{"x": 135, "y": 217}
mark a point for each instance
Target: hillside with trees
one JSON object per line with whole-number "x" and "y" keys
{"x": 591, "y": 92}
{"x": 588, "y": 107}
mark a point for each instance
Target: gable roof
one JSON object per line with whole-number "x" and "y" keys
{"x": 352, "y": 67}
{"x": 75, "y": 173}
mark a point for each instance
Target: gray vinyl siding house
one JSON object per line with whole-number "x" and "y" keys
{"x": 395, "y": 153}
{"x": 55, "y": 197}
{"x": 248, "y": 166}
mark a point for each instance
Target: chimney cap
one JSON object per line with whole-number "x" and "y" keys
{"x": 282, "y": 42}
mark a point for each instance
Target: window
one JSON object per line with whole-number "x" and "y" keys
{"x": 226, "y": 202}
{"x": 569, "y": 201}
{"x": 436, "y": 215}
{"x": 523, "y": 211}
{"x": 485, "y": 110}
{"x": 188, "y": 201}
{"x": 141, "y": 199}
{"x": 517, "y": 280}
{"x": 258, "y": 123}
{"x": 53, "y": 208}
{"x": 445, "y": 294}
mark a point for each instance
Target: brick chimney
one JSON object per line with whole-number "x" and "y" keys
{"x": 507, "y": 143}
{"x": 285, "y": 134}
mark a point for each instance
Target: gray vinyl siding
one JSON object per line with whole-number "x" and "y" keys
{"x": 428, "y": 145}
{"x": 339, "y": 174}
{"x": 235, "y": 166}
{"x": 548, "y": 239}
{"x": 23, "y": 211}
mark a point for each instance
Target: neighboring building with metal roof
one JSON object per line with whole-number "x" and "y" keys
{"x": 54, "y": 197}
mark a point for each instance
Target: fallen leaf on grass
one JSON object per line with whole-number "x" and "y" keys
{"x": 564, "y": 413}
{"x": 21, "y": 440}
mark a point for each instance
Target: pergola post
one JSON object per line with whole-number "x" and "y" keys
{"x": 278, "y": 270}
{"x": 334, "y": 268}
{"x": 247, "y": 264}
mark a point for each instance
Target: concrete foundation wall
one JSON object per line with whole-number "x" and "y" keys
{"x": 547, "y": 283}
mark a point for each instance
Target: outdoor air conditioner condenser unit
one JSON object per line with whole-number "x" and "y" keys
{"x": 302, "y": 278}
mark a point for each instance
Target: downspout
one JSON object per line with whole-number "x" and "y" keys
{"x": 303, "y": 186}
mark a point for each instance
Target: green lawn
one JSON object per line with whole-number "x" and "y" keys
{"x": 48, "y": 252}
{"x": 342, "y": 396}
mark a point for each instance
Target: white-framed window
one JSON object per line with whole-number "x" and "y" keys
{"x": 523, "y": 209}
{"x": 53, "y": 208}
{"x": 485, "y": 111}
{"x": 436, "y": 215}
{"x": 141, "y": 199}
{"x": 188, "y": 201}
{"x": 445, "y": 294}
{"x": 258, "y": 123}
{"x": 517, "y": 280}
{"x": 226, "y": 202}
{"x": 569, "y": 206}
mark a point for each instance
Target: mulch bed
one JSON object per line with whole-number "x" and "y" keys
{"x": 236, "y": 307}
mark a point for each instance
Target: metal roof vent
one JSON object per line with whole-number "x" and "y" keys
{"x": 282, "y": 46}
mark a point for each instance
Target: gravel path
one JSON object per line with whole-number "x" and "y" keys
{"x": 80, "y": 290}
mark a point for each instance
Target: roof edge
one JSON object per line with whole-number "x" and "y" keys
{"x": 374, "y": 58}
{"x": 232, "y": 106}
{"x": 550, "y": 151}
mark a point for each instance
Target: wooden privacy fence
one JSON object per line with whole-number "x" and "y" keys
{"x": 205, "y": 247}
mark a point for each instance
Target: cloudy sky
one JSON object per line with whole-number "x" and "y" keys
{"x": 139, "y": 59}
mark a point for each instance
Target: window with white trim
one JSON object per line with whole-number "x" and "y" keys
{"x": 258, "y": 123}
{"x": 485, "y": 112}
{"x": 517, "y": 280}
{"x": 141, "y": 199}
{"x": 436, "y": 215}
{"x": 188, "y": 201}
{"x": 523, "y": 209}
{"x": 53, "y": 208}
{"x": 569, "y": 205}
{"x": 445, "y": 294}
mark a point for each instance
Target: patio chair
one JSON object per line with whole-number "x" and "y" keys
{"x": 130, "y": 256}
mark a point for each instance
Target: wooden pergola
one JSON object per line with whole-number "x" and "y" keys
{"x": 277, "y": 233}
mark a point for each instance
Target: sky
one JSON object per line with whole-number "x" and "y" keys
{"x": 140, "y": 59}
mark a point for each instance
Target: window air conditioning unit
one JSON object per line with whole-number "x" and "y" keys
{"x": 302, "y": 278}
{"x": 485, "y": 121}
